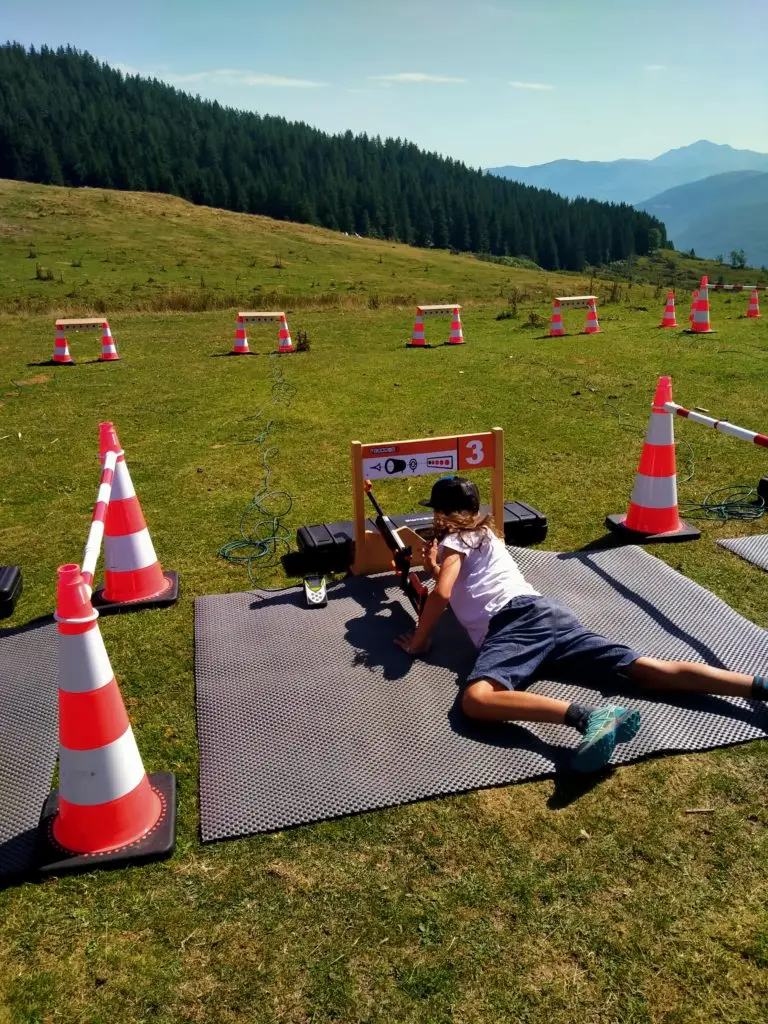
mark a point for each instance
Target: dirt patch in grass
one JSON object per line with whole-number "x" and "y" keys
{"x": 39, "y": 378}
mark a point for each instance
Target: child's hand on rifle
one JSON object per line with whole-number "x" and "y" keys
{"x": 409, "y": 643}
{"x": 429, "y": 558}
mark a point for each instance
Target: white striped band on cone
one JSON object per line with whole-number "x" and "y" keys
{"x": 753, "y": 312}
{"x": 653, "y": 503}
{"x": 61, "y": 348}
{"x": 240, "y": 346}
{"x": 556, "y": 328}
{"x": 593, "y": 327}
{"x": 132, "y": 571}
{"x": 456, "y": 336}
{"x": 105, "y": 799}
{"x": 417, "y": 337}
{"x": 108, "y": 348}
{"x": 669, "y": 319}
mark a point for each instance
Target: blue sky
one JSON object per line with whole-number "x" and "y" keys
{"x": 490, "y": 83}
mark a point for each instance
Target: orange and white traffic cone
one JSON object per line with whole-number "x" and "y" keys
{"x": 61, "y": 354}
{"x": 106, "y": 809}
{"x": 108, "y": 347}
{"x": 700, "y": 323}
{"x": 284, "y": 341}
{"x": 417, "y": 339}
{"x": 240, "y": 347}
{"x": 456, "y": 336}
{"x": 132, "y": 573}
{"x": 556, "y": 330}
{"x": 694, "y": 297}
{"x": 753, "y": 312}
{"x": 669, "y": 320}
{"x": 653, "y": 515}
{"x": 592, "y": 326}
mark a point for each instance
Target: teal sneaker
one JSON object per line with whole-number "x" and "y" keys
{"x": 605, "y": 728}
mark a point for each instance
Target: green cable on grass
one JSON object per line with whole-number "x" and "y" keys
{"x": 726, "y": 503}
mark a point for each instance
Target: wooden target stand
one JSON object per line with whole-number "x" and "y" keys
{"x": 403, "y": 460}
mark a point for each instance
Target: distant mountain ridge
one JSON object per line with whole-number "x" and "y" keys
{"x": 633, "y": 181}
{"x": 721, "y": 213}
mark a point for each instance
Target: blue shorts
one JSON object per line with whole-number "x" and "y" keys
{"x": 539, "y": 638}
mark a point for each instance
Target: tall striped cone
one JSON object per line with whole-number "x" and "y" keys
{"x": 754, "y": 306}
{"x": 106, "y": 803}
{"x": 108, "y": 347}
{"x": 592, "y": 326}
{"x": 132, "y": 572}
{"x": 700, "y": 323}
{"x": 456, "y": 336}
{"x": 694, "y": 297}
{"x": 653, "y": 514}
{"x": 61, "y": 354}
{"x": 284, "y": 341}
{"x": 556, "y": 329}
{"x": 240, "y": 347}
{"x": 417, "y": 339}
{"x": 669, "y": 320}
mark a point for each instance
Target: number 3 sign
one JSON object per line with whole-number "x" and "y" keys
{"x": 476, "y": 451}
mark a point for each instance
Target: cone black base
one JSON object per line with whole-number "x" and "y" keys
{"x": 409, "y": 344}
{"x": 158, "y": 844}
{"x": 169, "y": 596}
{"x": 616, "y": 524}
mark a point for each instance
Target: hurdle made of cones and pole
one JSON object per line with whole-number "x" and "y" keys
{"x": 240, "y": 347}
{"x": 61, "y": 354}
{"x": 560, "y": 302}
{"x": 653, "y": 514}
{"x": 455, "y": 335}
{"x": 107, "y": 811}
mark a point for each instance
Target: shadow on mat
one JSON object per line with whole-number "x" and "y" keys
{"x": 18, "y": 858}
{"x": 43, "y": 620}
{"x": 706, "y": 652}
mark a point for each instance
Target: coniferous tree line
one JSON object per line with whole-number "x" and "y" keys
{"x": 68, "y": 119}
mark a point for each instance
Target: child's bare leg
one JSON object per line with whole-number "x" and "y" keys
{"x": 686, "y": 676}
{"x": 489, "y": 701}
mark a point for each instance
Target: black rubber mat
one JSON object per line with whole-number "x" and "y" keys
{"x": 28, "y": 738}
{"x": 309, "y": 714}
{"x": 751, "y": 549}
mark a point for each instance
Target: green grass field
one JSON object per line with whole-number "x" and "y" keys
{"x": 501, "y": 905}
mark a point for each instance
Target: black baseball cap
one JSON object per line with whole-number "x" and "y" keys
{"x": 453, "y": 494}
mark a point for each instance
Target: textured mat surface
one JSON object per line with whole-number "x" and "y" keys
{"x": 28, "y": 738}
{"x": 310, "y": 714}
{"x": 752, "y": 549}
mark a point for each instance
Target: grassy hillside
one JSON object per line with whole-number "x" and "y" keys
{"x": 518, "y": 904}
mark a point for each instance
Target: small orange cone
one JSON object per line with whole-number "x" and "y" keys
{"x": 456, "y": 337}
{"x": 61, "y": 354}
{"x": 694, "y": 297}
{"x": 700, "y": 323}
{"x": 108, "y": 347}
{"x": 653, "y": 514}
{"x": 754, "y": 306}
{"x": 106, "y": 807}
{"x": 592, "y": 327}
{"x": 285, "y": 343}
{"x": 417, "y": 339}
{"x": 240, "y": 347}
{"x": 668, "y": 320}
{"x": 556, "y": 330}
{"x": 132, "y": 573}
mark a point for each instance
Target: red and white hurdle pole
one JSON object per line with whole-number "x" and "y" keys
{"x": 96, "y": 533}
{"x": 722, "y": 425}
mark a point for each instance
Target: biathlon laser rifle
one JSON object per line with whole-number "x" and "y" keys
{"x": 414, "y": 589}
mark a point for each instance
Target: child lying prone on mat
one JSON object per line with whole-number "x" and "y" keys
{"x": 521, "y": 635}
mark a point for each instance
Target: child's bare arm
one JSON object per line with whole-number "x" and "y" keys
{"x": 445, "y": 577}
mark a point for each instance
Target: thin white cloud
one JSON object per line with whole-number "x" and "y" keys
{"x": 223, "y": 76}
{"x": 415, "y": 76}
{"x": 655, "y": 67}
{"x": 533, "y": 86}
